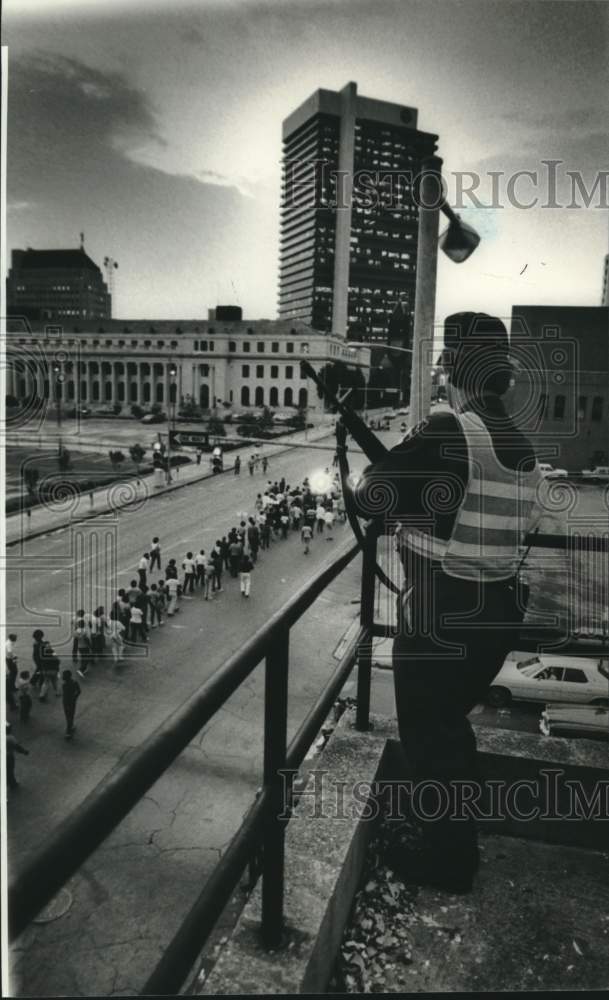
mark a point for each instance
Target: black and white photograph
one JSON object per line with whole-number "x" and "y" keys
{"x": 304, "y": 420}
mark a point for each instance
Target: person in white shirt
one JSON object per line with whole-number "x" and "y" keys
{"x": 137, "y": 625}
{"x": 171, "y": 586}
{"x": 189, "y": 573}
{"x": 329, "y": 519}
{"x": 202, "y": 574}
{"x": 116, "y": 631}
{"x": 143, "y": 567}
{"x": 320, "y": 516}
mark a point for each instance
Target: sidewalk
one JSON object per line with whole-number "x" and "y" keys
{"x": 68, "y": 508}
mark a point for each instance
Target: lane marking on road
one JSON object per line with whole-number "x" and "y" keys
{"x": 177, "y": 626}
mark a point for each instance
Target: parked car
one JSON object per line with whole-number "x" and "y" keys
{"x": 403, "y": 411}
{"x": 557, "y": 473}
{"x": 78, "y": 411}
{"x": 551, "y": 678}
{"x": 589, "y": 721}
{"x": 154, "y": 418}
{"x": 545, "y": 468}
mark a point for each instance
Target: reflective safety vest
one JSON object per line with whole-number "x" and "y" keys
{"x": 499, "y": 507}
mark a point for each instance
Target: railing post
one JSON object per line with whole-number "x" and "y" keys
{"x": 275, "y": 746}
{"x": 364, "y": 656}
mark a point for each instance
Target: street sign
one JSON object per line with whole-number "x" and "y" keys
{"x": 178, "y": 439}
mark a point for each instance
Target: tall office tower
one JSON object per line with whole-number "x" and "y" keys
{"x": 56, "y": 284}
{"x": 349, "y": 219}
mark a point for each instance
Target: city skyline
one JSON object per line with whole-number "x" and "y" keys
{"x": 177, "y": 175}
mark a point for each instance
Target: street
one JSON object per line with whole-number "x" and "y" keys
{"x": 170, "y": 842}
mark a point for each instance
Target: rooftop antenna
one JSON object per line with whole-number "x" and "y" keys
{"x": 232, "y": 283}
{"x": 82, "y": 242}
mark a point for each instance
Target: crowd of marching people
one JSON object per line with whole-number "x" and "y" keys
{"x": 154, "y": 595}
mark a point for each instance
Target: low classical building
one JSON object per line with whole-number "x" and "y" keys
{"x": 217, "y": 361}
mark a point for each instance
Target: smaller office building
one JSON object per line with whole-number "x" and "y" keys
{"x": 561, "y": 392}
{"x": 62, "y": 285}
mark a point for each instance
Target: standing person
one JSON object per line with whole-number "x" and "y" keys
{"x": 99, "y": 625}
{"x": 171, "y": 587}
{"x": 143, "y": 567}
{"x": 329, "y": 519}
{"x": 163, "y": 600}
{"x": 155, "y": 554}
{"x": 253, "y": 539}
{"x": 79, "y": 616}
{"x": 320, "y": 514}
{"x": 217, "y": 564}
{"x": 12, "y": 747}
{"x": 189, "y": 573}
{"x": 461, "y": 590}
{"x": 200, "y": 568}
{"x": 223, "y": 546}
{"x": 70, "y": 693}
{"x": 199, "y": 454}
{"x": 258, "y": 504}
{"x": 133, "y": 593}
{"x": 171, "y": 570}
{"x": 237, "y": 466}
{"x": 235, "y": 551}
{"x": 251, "y": 465}
{"x": 245, "y": 572}
{"x": 306, "y": 537}
{"x": 24, "y": 690}
{"x": 265, "y": 464}
{"x": 122, "y": 608}
{"x": 83, "y": 639}
{"x": 143, "y": 603}
{"x": 11, "y": 670}
{"x": 138, "y": 628}
{"x": 46, "y": 664}
{"x": 116, "y": 631}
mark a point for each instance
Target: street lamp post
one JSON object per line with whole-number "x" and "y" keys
{"x": 171, "y": 422}
{"x": 58, "y": 380}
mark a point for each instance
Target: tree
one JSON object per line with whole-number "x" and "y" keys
{"x": 116, "y": 458}
{"x": 156, "y": 408}
{"x": 137, "y": 455}
{"x": 137, "y": 411}
{"x": 116, "y": 408}
{"x": 64, "y": 459}
{"x": 30, "y": 478}
{"x": 216, "y": 427}
{"x": 265, "y": 420}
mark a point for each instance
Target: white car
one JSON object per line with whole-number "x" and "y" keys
{"x": 545, "y": 468}
{"x": 589, "y": 721}
{"x": 551, "y": 678}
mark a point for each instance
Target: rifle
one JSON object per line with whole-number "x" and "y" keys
{"x": 374, "y": 449}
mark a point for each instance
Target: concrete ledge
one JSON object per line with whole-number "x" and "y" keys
{"x": 319, "y": 893}
{"x": 328, "y": 835}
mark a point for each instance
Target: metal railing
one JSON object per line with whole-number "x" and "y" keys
{"x": 82, "y": 832}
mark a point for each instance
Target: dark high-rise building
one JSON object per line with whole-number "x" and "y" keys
{"x": 348, "y": 215}
{"x": 56, "y": 284}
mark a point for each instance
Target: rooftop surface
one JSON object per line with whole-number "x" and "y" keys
{"x": 537, "y": 918}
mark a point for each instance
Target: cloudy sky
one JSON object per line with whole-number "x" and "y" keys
{"x": 155, "y": 128}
